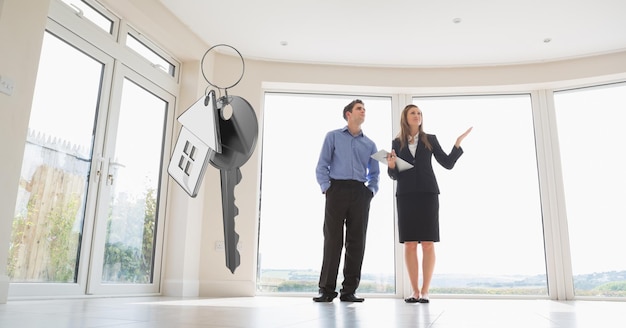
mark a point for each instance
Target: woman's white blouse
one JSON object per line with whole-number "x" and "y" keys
{"x": 413, "y": 146}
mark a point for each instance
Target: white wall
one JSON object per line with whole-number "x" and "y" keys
{"x": 21, "y": 33}
{"x": 191, "y": 265}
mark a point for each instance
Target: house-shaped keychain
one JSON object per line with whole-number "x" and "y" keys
{"x": 199, "y": 133}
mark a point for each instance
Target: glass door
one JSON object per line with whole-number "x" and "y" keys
{"x": 48, "y": 254}
{"x": 129, "y": 224}
{"x": 91, "y": 192}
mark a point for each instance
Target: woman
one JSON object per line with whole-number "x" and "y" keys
{"x": 417, "y": 195}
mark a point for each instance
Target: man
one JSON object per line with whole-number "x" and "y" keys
{"x": 348, "y": 177}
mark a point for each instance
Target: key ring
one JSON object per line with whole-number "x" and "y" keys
{"x": 243, "y": 68}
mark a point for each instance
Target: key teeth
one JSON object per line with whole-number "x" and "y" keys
{"x": 233, "y": 261}
{"x": 230, "y": 178}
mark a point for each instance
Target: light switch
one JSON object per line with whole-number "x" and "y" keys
{"x": 6, "y": 85}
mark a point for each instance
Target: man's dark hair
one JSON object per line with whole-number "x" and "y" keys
{"x": 349, "y": 107}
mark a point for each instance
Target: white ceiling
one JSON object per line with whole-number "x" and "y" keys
{"x": 408, "y": 33}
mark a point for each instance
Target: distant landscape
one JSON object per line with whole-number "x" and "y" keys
{"x": 602, "y": 284}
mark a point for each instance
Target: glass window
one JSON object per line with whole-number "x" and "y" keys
{"x": 292, "y": 205}
{"x": 490, "y": 211}
{"x": 590, "y": 123}
{"x": 134, "y": 43}
{"x": 86, "y": 10}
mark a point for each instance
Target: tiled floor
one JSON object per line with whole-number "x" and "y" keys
{"x": 300, "y": 312}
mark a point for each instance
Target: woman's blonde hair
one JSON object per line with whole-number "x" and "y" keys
{"x": 405, "y": 129}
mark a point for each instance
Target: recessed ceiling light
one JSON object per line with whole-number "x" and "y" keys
{"x": 456, "y": 20}
{"x": 283, "y": 43}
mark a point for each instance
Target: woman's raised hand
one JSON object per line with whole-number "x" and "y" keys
{"x": 461, "y": 137}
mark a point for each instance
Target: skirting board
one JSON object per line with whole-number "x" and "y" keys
{"x": 227, "y": 288}
{"x": 182, "y": 288}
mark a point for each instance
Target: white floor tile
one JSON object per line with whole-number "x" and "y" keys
{"x": 302, "y": 312}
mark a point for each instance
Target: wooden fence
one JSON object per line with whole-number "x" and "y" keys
{"x": 48, "y": 221}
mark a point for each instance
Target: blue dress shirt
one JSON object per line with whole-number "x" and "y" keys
{"x": 347, "y": 157}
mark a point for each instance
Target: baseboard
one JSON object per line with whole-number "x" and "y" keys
{"x": 4, "y": 288}
{"x": 180, "y": 288}
{"x": 227, "y": 288}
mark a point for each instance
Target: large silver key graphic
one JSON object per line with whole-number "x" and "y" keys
{"x": 238, "y": 133}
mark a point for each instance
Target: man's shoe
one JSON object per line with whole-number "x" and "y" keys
{"x": 325, "y": 297}
{"x": 351, "y": 298}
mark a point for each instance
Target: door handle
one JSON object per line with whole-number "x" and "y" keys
{"x": 113, "y": 167}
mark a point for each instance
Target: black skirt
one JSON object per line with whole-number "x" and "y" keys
{"x": 418, "y": 217}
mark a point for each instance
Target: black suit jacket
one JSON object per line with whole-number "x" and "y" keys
{"x": 421, "y": 177}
